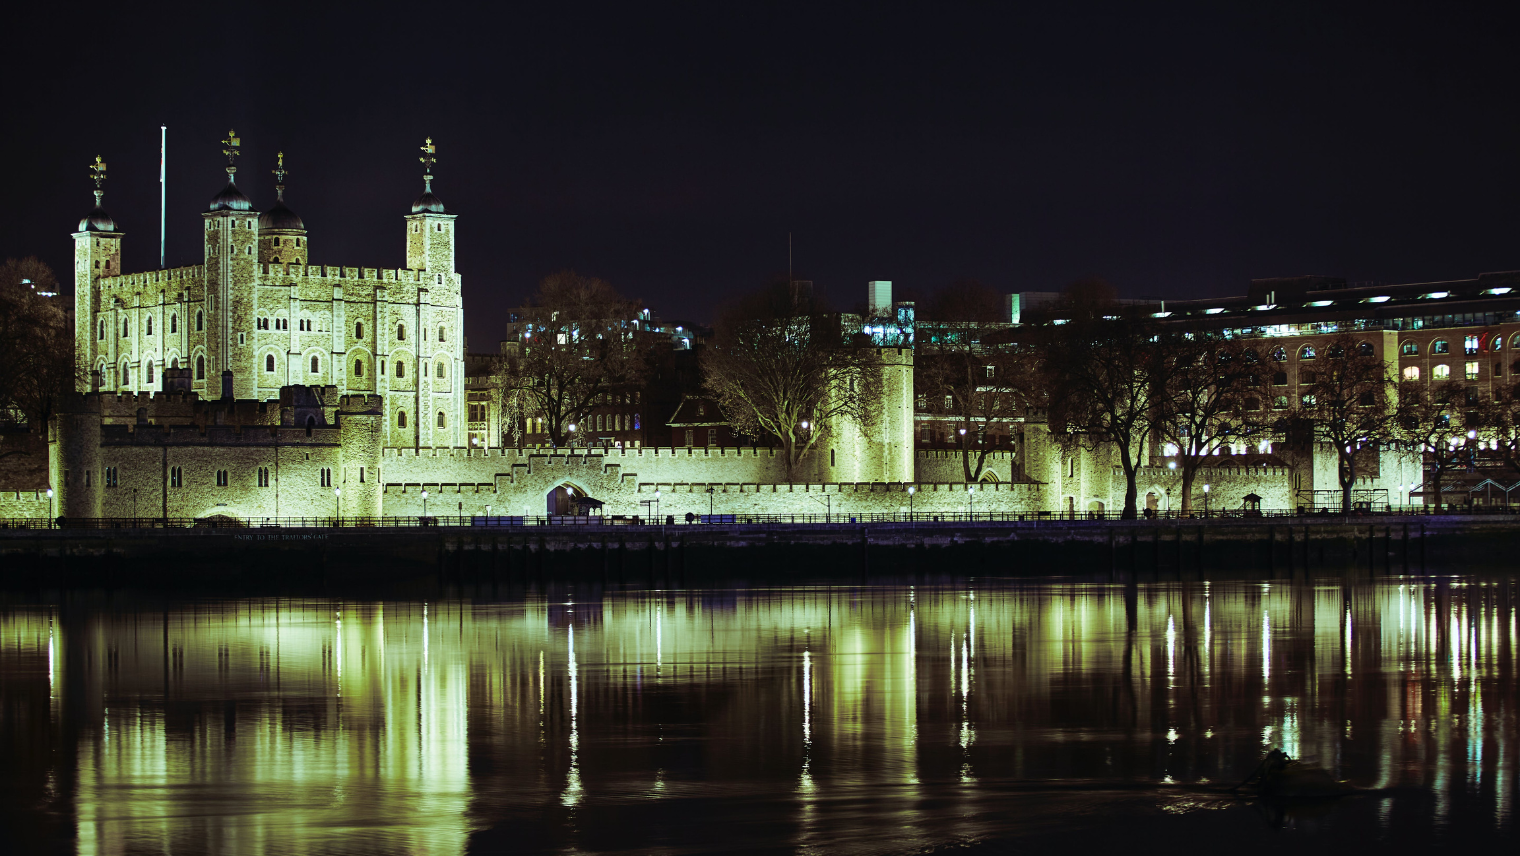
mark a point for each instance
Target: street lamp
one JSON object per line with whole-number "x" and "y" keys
{"x": 911, "y": 490}
{"x": 970, "y": 498}
{"x": 657, "y": 505}
{"x": 424, "y": 503}
{"x": 710, "y": 493}
{"x": 50, "y": 502}
{"x": 337, "y": 509}
{"x": 1205, "y": 500}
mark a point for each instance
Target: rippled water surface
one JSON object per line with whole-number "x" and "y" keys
{"x": 996, "y": 716}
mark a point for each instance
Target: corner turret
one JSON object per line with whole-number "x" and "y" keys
{"x": 97, "y": 253}
{"x": 430, "y": 229}
{"x": 232, "y": 233}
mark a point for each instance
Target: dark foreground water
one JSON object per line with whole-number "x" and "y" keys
{"x": 986, "y": 716}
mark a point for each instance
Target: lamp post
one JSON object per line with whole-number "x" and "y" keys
{"x": 337, "y": 508}
{"x": 424, "y": 503}
{"x": 570, "y": 439}
{"x": 1205, "y": 500}
{"x": 488, "y": 513}
{"x": 911, "y": 490}
{"x": 134, "y": 507}
{"x": 710, "y": 492}
{"x": 657, "y": 505}
{"x": 50, "y": 502}
{"x": 971, "y": 500}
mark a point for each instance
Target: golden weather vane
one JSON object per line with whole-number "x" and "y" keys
{"x": 98, "y": 171}
{"x": 428, "y": 159}
{"x": 232, "y": 150}
{"x": 279, "y": 169}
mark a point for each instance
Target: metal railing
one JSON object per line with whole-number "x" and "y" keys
{"x": 727, "y": 519}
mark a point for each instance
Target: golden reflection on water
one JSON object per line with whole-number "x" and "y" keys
{"x": 872, "y": 719}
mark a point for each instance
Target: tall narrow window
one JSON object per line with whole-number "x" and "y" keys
{"x": 440, "y": 332}
{"x": 358, "y": 368}
{"x": 148, "y": 372}
{"x": 400, "y": 369}
{"x": 269, "y": 363}
{"x": 401, "y": 419}
{"x": 102, "y": 331}
{"x": 200, "y": 321}
{"x": 401, "y": 332}
{"x": 173, "y": 324}
{"x": 149, "y": 329}
{"x": 314, "y": 365}
{"x": 176, "y": 477}
{"x": 200, "y": 368}
{"x": 440, "y": 368}
{"x": 221, "y": 478}
{"x": 358, "y": 329}
{"x": 126, "y": 328}
{"x": 441, "y": 421}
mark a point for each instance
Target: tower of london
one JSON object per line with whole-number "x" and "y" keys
{"x": 258, "y": 314}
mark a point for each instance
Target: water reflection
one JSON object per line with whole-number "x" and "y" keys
{"x": 872, "y": 719}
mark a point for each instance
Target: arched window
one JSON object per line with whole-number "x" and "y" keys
{"x": 149, "y": 327}
{"x": 1411, "y": 373}
{"x": 315, "y": 365}
{"x": 126, "y": 373}
{"x": 358, "y": 329}
{"x": 311, "y": 422}
{"x": 400, "y": 369}
{"x": 440, "y": 419}
{"x": 102, "y": 330}
{"x": 173, "y": 324}
{"x": 1364, "y": 349}
{"x": 148, "y": 372}
{"x": 126, "y": 329}
{"x": 200, "y": 321}
{"x": 358, "y": 368}
{"x": 1306, "y": 352}
{"x": 1440, "y": 346}
{"x": 200, "y": 368}
{"x": 401, "y": 332}
{"x": 1280, "y": 355}
{"x": 269, "y": 363}
{"x": 439, "y": 368}
{"x": 401, "y": 419}
{"x": 440, "y": 332}
{"x": 1441, "y": 372}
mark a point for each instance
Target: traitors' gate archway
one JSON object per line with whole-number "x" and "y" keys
{"x": 561, "y": 500}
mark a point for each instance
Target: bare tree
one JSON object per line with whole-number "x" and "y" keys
{"x": 37, "y": 358}
{"x": 778, "y": 364}
{"x": 1207, "y": 395}
{"x": 1350, "y": 404}
{"x": 974, "y": 372}
{"x": 1433, "y": 422}
{"x": 578, "y": 345}
{"x": 1102, "y": 376}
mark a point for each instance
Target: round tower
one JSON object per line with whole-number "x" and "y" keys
{"x": 77, "y": 455}
{"x": 439, "y": 406}
{"x": 282, "y": 235}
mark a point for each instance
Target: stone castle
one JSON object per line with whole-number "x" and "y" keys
{"x": 257, "y": 386}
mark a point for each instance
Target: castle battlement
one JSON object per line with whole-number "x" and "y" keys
{"x": 296, "y": 271}
{"x": 171, "y": 276}
{"x": 645, "y": 452}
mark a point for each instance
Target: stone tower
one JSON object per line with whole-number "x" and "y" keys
{"x": 232, "y": 234}
{"x": 879, "y": 448}
{"x": 282, "y": 235}
{"x": 440, "y": 314}
{"x": 97, "y": 253}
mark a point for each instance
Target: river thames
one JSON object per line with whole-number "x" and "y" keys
{"x": 976, "y": 716}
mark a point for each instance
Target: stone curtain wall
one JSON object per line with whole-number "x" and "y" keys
{"x": 1228, "y": 487}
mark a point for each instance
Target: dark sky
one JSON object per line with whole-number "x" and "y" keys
{"x": 671, "y": 148}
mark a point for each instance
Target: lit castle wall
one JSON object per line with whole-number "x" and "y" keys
{"x": 258, "y": 385}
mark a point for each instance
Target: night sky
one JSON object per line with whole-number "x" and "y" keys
{"x": 670, "y": 149}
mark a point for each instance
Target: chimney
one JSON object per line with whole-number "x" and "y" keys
{"x": 227, "y": 385}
